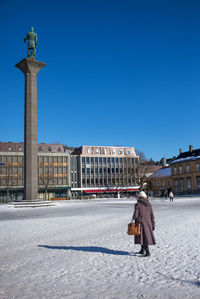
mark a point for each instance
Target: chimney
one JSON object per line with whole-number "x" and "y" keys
{"x": 190, "y": 148}
{"x": 164, "y": 162}
{"x": 180, "y": 150}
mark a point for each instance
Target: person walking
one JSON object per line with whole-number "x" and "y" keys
{"x": 143, "y": 214}
{"x": 171, "y": 196}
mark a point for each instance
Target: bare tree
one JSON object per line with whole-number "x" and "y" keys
{"x": 8, "y": 177}
{"x": 141, "y": 170}
{"x": 141, "y": 155}
{"x": 46, "y": 179}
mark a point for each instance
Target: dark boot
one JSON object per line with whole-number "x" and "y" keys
{"x": 142, "y": 249}
{"x": 147, "y": 251}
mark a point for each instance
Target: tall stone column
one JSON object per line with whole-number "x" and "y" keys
{"x": 30, "y": 68}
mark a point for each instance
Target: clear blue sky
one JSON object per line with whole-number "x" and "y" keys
{"x": 118, "y": 72}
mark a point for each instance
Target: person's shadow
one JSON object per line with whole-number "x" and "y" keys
{"x": 88, "y": 249}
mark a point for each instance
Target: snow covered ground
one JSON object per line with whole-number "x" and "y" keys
{"x": 80, "y": 249}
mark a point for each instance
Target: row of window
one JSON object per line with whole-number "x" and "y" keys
{"x": 57, "y": 181}
{"x": 52, "y": 159}
{"x": 101, "y": 170}
{"x": 41, "y": 149}
{"x": 101, "y": 160}
{"x": 161, "y": 183}
{"x": 179, "y": 183}
{"x": 179, "y": 169}
{"x": 4, "y": 159}
{"x": 53, "y": 170}
{"x": 108, "y": 182}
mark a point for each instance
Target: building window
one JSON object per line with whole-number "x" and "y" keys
{"x": 113, "y": 160}
{"x": 92, "y": 159}
{"x": 100, "y": 160}
{"x": 116, "y": 160}
{"x": 59, "y": 149}
{"x": 88, "y": 170}
{"x": 96, "y": 170}
{"x": 83, "y": 159}
{"x": 181, "y": 183}
{"x": 187, "y": 168}
{"x": 83, "y": 170}
{"x": 175, "y": 170}
{"x": 96, "y": 160}
{"x": 120, "y": 160}
{"x": 176, "y": 184}
{"x": 198, "y": 182}
{"x": 197, "y": 167}
{"x": 180, "y": 169}
{"x": 104, "y": 160}
{"x": 188, "y": 180}
{"x": 87, "y": 159}
{"x": 49, "y": 149}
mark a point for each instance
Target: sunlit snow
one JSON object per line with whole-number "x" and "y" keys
{"x": 80, "y": 249}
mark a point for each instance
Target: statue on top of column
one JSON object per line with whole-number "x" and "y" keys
{"x": 32, "y": 43}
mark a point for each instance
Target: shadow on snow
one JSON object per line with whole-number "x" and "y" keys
{"x": 88, "y": 249}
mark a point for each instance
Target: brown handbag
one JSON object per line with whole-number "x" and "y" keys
{"x": 134, "y": 229}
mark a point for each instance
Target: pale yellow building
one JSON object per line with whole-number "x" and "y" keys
{"x": 185, "y": 172}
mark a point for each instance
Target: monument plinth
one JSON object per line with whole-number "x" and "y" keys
{"x": 30, "y": 68}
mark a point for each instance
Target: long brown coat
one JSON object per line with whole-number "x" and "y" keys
{"x": 143, "y": 213}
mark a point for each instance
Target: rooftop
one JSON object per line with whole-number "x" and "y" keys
{"x": 187, "y": 156}
{"x": 163, "y": 172}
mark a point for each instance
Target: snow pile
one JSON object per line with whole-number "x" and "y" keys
{"x": 81, "y": 250}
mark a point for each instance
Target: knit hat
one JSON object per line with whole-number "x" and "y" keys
{"x": 142, "y": 194}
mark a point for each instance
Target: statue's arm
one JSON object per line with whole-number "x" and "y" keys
{"x": 25, "y": 39}
{"x": 36, "y": 39}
